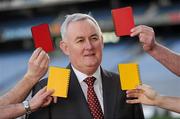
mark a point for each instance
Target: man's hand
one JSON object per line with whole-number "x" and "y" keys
{"x": 38, "y": 65}
{"x": 146, "y": 36}
{"x": 144, "y": 94}
{"x": 41, "y": 99}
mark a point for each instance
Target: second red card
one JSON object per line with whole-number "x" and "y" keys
{"x": 123, "y": 20}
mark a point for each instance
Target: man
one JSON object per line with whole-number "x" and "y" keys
{"x": 93, "y": 92}
{"x": 168, "y": 58}
{"x": 10, "y": 106}
{"x": 145, "y": 94}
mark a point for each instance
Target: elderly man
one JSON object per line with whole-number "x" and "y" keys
{"x": 94, "y": 93}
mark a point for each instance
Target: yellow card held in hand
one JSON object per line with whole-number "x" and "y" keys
{"x": 129, "y": 76}
{"x": 59, "y": 81}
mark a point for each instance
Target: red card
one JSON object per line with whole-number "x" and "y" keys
{"x": 42, "y": 37}
{"x": 123, "y": 20}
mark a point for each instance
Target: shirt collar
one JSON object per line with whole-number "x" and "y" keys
{"x": 81, "y": 76}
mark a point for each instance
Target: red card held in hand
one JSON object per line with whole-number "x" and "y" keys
{"x": 42, "y": 37}
{"x": 123, "y": 20}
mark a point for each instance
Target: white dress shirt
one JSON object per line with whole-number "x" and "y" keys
{"x": 97, "y": 84}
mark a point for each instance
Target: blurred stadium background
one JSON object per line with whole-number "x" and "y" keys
{"x": 16, "y": 46}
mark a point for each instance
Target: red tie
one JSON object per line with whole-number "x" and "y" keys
{"x": 92, "y": 99}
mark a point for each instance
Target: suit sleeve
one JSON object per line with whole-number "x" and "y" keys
{"x": 43, "y": 113}
{"x": 138, "y": 111}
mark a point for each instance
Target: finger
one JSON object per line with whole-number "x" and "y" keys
{"x": 47, "y": 93}
{"x": 130, "y": 91}
{"x": 48, "y": 60}
{"x": 40, "y": 57}
{"x": 141, "y": 29}
{"x": 133, "y": 91}
{"x": 45, "y": 66}
{"x": 136, "y": 32}
{"x": 43, "y": 90}
{"x": 55, "y": 99}
{"x": 134, "y": 28}
{"x": 144, "y": 87}
{"x": 44, "y": 62}
{"x": 132, "y": 95}
{"x": 47, "y": 63}
{"x": 134, "y": 101}
{"x": 35, "y": 54}
{"x": 47, "y": 101}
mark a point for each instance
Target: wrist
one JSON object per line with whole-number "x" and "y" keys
{"x": 158, "y": 100}
{"x": 33, "y": 106}
{"x": 31, "y": 79}
{"x": 27, "y": 107}
{"x": 154, "y": 48}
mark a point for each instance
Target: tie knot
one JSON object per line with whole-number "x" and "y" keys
{"x": 90, "y": 81}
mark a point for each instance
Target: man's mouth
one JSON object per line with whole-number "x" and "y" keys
{"x": 87, "y": 55}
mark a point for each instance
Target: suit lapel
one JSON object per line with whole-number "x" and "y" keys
{"x": 78, "y": 96}
{"x": 109, "y": 95}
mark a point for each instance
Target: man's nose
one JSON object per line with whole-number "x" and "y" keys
{"x": 88, "y": 45}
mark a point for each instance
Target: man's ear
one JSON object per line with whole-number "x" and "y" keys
{"x": 64, "y": 47}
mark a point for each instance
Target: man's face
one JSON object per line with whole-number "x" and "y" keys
{"x": 83, "y": 44}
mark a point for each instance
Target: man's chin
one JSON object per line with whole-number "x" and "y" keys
{"x": 91, "y": 68}
{"x": 92, "y": 65}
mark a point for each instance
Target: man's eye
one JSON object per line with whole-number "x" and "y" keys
{"x": 94, "y": 38}
{"x": 79, "y": 41}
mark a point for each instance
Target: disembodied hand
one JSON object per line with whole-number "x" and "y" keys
{"x": 146, "y": 36}
{"x": 38, "y": 65}
{"x": 144, "y": 94}
{"x": 41, "y": 99}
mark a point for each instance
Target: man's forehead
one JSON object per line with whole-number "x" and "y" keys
{"x": 81, "y": 28}
{"x": 84, "y": 26}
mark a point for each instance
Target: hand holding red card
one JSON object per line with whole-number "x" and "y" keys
{"x": 123, "y": 20}
{"x": 42, "y": 37}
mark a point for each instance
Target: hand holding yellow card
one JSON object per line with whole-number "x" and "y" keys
{"x": 59, "y": 81}
{"x": 129, "y": 76}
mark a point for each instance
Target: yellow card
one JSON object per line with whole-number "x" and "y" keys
{"x": 129, "y": 76}
{"x": 59, "y": 81}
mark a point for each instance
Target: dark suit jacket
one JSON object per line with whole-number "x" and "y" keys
{"x": 75, "y": 105}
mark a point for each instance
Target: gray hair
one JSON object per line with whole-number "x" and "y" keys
{"x": 75, "y": 17}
